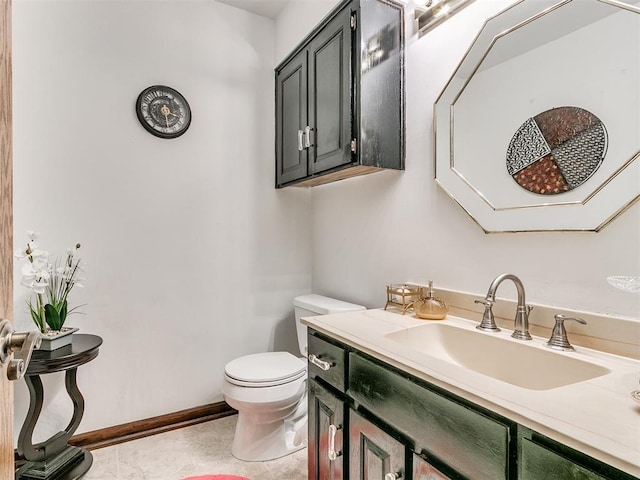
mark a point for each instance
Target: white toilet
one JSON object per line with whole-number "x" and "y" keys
{"x": 269, "y": 390}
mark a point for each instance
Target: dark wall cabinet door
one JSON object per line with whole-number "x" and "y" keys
{"x": 314, "y": 104}
{"x": 330, "y": 101}
{"x": 291, "y": 118}
{"x": 326, "y": 434}
{"x": 373, "y": 453}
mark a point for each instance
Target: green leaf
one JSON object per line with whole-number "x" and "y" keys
{"x": 52, "y": 317}
{"x": 63, "y": 313}
{"x": 37, "y": 319}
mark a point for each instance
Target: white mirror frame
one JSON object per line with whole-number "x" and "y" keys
{"x": 500, "y": 205}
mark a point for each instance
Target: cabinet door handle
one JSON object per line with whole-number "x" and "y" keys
{"x": 319, "y": 363}
{"x": 300, "y": 140}
{"x": 332, "y": 454}
{"x": 308, "y": 142}
{"x": 393, "y": 476}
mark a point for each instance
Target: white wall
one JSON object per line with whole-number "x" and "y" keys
{"x": 399, "y": 226}
{"x": 193, "y": 258}
{"x": 295, "y": 22}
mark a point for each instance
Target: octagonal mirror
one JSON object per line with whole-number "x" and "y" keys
{"x": 539, "y": 127}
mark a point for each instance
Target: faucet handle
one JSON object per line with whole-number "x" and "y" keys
{"x": 488, "y": 323}
{"x": 486, "y": 302}
{"x": 559, "y": 340}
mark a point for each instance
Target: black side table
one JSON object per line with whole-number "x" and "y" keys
{"x": 54, "y": 458}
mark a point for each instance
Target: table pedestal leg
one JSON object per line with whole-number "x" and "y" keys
{"x": 70, "y": 464}
{"x": 53, "y": 458}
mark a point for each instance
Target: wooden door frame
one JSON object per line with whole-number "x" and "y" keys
{"x": 6, "y": 232}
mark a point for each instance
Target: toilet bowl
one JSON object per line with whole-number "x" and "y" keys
{"x": 269, "y": 391}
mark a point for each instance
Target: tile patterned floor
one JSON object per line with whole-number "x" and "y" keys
{"x": 198, "y": 450}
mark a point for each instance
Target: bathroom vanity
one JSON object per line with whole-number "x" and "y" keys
{"x": 383, "y": 407}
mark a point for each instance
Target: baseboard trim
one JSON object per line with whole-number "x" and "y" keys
{"x": 106, "y": 437}
{"x": 126, "y": 432}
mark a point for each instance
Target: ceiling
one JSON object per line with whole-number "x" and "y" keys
{"x": 266, "y": 8}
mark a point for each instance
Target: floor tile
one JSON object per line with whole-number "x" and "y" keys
{"x": 198, "y": 450}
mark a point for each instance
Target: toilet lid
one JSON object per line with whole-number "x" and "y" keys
{"x": 265, "y": 369}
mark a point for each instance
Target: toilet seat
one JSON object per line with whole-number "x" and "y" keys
{"x": 265, "y": 369}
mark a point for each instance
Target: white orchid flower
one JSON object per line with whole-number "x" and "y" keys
{"x": 39, "y": 255}
{"x": 32, "y": 235}
{"x": 37, "y": 284}
{"x": 40, "y": 287}
{"x": 38, "y": 268}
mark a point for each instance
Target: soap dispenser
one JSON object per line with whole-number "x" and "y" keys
{"x": 430, "y": 307}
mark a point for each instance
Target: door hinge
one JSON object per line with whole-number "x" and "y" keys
{"x": 354, "y": 145}
{"x": 354, "y": 20}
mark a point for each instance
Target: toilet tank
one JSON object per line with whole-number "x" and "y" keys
{"x": 313, "y": 305}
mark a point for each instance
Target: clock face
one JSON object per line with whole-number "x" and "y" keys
{"x": 163, "y": 111}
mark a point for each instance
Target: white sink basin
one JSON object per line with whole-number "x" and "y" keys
{"x": 513, "y": 361}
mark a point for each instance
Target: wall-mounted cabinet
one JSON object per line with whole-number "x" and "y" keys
{"x": 340, "y": 97}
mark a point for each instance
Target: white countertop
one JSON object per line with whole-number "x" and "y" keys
{"x": 597, "y": 417}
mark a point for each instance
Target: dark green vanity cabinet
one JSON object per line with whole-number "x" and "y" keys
{"x": 374, "y": 453}
{"x": 345, "y": 443}
{"x": 435, "y": 424}
{"x": 340, "y": 97}
{"x": 388, "y": 424}
{"x": 326, "y": 433}
{"x": 540, "y": 457}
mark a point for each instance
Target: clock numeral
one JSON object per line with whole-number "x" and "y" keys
{"x": 151, "y": 96}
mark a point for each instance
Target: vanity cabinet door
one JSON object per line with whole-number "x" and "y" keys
{"x": 326, "y": 434}
{"x": 467, "y": 440}
{"x": 327, "y": 361}
{"x": 373, "y": 453}
{"x": 541, "y": 463}
{"x": 423, "y": 470}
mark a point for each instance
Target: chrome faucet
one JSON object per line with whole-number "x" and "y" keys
{"x": 521, "y": 322}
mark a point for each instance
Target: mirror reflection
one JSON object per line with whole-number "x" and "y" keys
{"x": 536, "y": 57}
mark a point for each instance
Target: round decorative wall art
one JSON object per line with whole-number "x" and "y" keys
{"x": 557, "y": 150}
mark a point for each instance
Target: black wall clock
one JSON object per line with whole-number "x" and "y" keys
{"x": 163, "y": 111}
